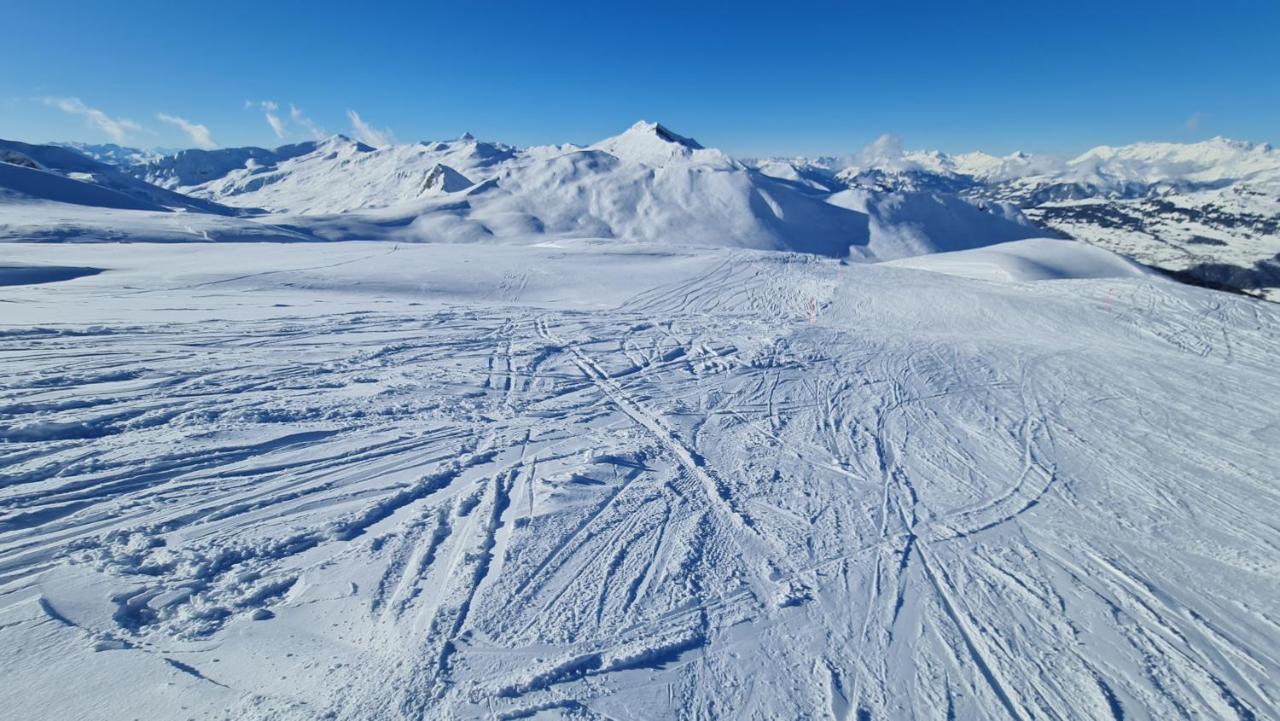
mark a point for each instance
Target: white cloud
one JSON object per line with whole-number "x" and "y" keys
{"x": 117, "y": 128}
{"x": 316, "y": 131}
{"x": 283, "y": 127}
{"x": 276, "y": 124}
{"x": 199, "y": 134}
{"x": 271, "y": 110}
{"x": 366, "y": 133}
{"x": 1195, "y": 121}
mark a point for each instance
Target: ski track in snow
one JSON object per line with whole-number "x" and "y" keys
{"x": 694, "y": 503}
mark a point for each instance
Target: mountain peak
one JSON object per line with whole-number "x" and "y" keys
{"x": 339, "y": 141}
{"x": 655, "y": 144}
{"x": 646, "y": 129}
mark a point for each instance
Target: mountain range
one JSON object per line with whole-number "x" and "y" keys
{"x": 1207, "y": 213}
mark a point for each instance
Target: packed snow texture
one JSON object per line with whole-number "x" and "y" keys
{"x": 586, "y": 479}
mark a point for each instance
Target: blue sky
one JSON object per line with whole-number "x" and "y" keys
{"x": 748, "y": 77}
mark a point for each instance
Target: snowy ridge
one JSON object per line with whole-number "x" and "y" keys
{"x": 1125, "y": 171}
{"x": 334, "y": 175}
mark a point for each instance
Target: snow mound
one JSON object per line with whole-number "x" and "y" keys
{"x": 1028, "y": 260}
{"x": 915, "y": 223}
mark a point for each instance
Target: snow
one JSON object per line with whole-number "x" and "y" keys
{"x": 915, "y": 223}
{"x": 634, "y": 430}
{"x": 49, "y": 172}
{"x": 1028, "y": 260}
{"x": 1206, "y": 212}
{"x": 334, "y": 175}
{"x": 14, "y": 274}
{"x": 585, "y": 479}
{"x": 654, "y": 145}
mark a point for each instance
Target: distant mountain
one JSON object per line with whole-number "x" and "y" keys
{"x": 117, "y": 155}
{"x": 1130, "y": 171}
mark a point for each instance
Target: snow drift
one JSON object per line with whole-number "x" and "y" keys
{"x": 1028, "y": 260}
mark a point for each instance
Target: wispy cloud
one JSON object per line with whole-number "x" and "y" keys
{"x": 270, "y": 109}
{"x": 199, "y": 134}
{"x": 1195, "y": 121}
{"x": 316, "y": 131}
{"x": 117, "y": 128}
{"x": 294, "y": 124}
{"x": 366, "y": 133}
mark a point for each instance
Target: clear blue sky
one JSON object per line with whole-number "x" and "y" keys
{"x": 772, "y": 77}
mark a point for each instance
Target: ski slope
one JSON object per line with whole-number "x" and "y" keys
{"x": 590, "y": 480}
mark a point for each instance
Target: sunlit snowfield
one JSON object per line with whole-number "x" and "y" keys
{"x": 368, "y": 481}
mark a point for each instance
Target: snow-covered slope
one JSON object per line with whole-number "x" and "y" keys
{"x": 1028, "y": 260}
{"x": 361, "y": 481}
{"x": 54, "y": 194}
{"x": 915, "y": 223}
{"x": 50, "y": 172}
{"x": 118, "y": 155}
{"x": 330, "y": 176}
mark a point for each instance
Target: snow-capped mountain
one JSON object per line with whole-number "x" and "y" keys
{"x": 334, "y": 175}
{"x": 1114, "y": 172}
{"x": 117, "y": 155}
{"x": 650, "y": 184}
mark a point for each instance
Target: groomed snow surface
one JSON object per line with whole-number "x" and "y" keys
{"x": 585, "y": 479}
